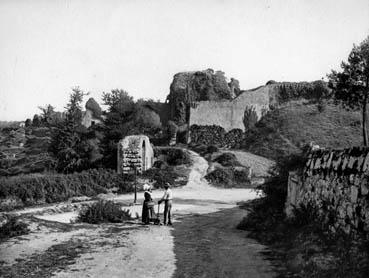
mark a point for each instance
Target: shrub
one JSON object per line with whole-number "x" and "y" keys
{"x": 275, "y": 188}
{"x": 220, "y": 177}
{"x": 242, "y": 176}
{"x": 48, "y": 188}
{"x": 13, "y": 227}
{"x": 103, "y": 211}
{"x": 212, "y": 149}
{"x": 305, "y": 214}
{"x": 174, "y": 156}
{"x": 250, "y": 117}
{"x": 227, "y": 159}
{"x": 161, "y": 176}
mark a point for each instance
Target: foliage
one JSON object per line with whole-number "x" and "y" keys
{"x": 161, "y": 176}
{"x": 74, "y": 147}
{"x": 250, "y": 117}
{"x": 119, "y": 101}
{"x": 212, "y": 149}
{"x": 173, "y": 156}
{"x": 13, "y": 227}
{"x": 49, "y": 116}
{"x": 227, "y": 159}
{"x": 305, "y": 214}
{"x": 285, "y": 130}
{"x": 275, "y": 188}
{"x": 221, "y": 177}
{"x": 103, "y": 211}
{"x": 28, "y": 123}
{"x": 36, "y": 120}
{"x": 146, "y": 119}
{"x": 322, "y": 253}
{"x": 313, "y": 91}
{"x": 351, "y": 85}
{"x": 49, "y": 188}
{"x": 126, "y": 117}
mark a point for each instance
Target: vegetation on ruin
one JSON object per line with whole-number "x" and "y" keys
{"x": 286, "y": 130}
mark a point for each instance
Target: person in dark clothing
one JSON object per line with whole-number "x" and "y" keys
{"x": 148, "y": 206}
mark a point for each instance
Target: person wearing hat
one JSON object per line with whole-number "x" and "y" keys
{"x": 148, "y": 205}
{"x": 167, "y": 199}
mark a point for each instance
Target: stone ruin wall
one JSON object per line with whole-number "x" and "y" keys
{"x": 229, "y": 114}
{"x": 337, "y": 182}
{"x": 130, "y": 159}
{"x": 130, "y": 155}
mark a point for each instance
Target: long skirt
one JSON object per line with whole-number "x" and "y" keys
{"x": 147, "y": 212}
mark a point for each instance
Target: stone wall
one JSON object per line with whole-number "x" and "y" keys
{"x": 229, "y": 114}
{"x": 336, "y": 182}
{"x": 88, "y": 118}
{"x": 216, "y": 135}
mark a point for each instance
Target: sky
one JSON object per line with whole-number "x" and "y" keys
{"x": 49, "y": 46}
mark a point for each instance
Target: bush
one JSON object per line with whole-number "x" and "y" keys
{"x": 242, "y": 176}
{"x": 212, "y": 149}
{"x": 161, "y": 176}
{"x": 13, "y": 227}
{"x": 275, "y": 188}
{"x": 36, "y": 188}
{"x": 102, "y": 212}
{"x": 220, "y": 177}
{"x": 227, "y": 159}
{"x": 174, "y": 156}
{"x": 305, "y": 214}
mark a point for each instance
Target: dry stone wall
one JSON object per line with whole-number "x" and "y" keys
{"x": 216, "y": 135}
{"x": 337, "y": 183}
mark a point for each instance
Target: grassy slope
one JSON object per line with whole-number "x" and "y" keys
{"x": 287, "y": 129}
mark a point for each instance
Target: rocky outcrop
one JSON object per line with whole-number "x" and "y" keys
{"x": 93, "y": 106}
{"x": 336, "y": 182}
{"x": 189, "y": 87}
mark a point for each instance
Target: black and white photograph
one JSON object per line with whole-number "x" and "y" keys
{"x": 184, "y": 139}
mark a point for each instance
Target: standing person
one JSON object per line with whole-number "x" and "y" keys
{"x": 148, "y": 205}
{"x": 167, "y": 198}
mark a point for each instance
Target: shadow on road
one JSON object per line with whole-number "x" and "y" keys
{"x": 209, "y": 245}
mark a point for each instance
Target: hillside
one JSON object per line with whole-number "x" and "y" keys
{"x": 285, "y": 130}
{"x": 24, "y": 150}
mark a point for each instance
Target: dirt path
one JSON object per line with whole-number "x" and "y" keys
{"x": 202, "y": 243}
{"x": 209, "y": 245}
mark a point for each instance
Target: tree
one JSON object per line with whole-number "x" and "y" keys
{"x": 119, "y": 101}
{"x": 117, "y": 124}
{"x": 71, "y": 144}
{"x": 28, "y": 123}
{"x": 36, "y": 120}
{"x": 351, "y": 85}
{"x": 47, "y": 115}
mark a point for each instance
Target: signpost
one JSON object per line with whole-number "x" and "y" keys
{"x": 135, "y": 199}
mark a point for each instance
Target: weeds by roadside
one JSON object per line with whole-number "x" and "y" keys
{"x": 309, "y": 249}
{"x": 26, "y": 190}
{"x": 13, "y": 227}
{"x": 103, "y": 211}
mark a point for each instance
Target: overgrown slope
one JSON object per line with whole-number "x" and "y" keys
{"x": 286, "y": 130}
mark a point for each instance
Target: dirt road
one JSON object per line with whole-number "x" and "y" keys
{"x": 202, "y": 243}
